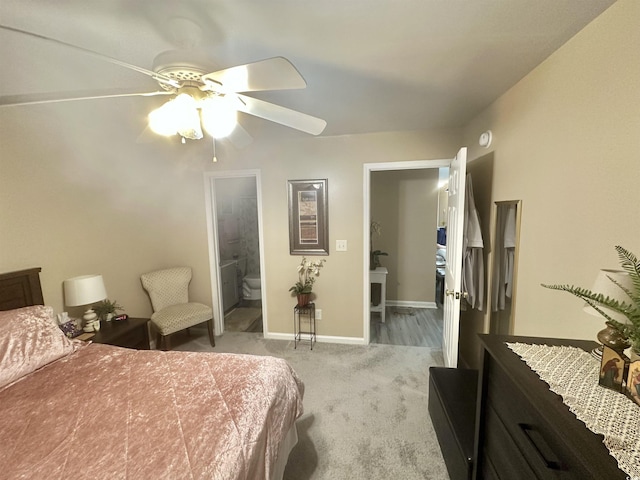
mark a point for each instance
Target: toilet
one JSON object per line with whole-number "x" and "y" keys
{"x": 251, "y": 287}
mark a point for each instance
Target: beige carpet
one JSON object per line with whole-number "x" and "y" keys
{"x": 366, "y": 415}
{"x": 242, "y": 319}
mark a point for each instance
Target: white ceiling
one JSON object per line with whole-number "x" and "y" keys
{"x": 370, "y": 65}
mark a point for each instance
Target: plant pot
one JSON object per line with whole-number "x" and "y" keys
{"x": 303, "y": 299}
{"x": 613, "y": 339}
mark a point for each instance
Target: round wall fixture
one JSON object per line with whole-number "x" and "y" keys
{"x": 485, "y": 139}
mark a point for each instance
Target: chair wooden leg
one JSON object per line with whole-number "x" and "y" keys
{"x": 212, "y": 338}
{"x": 163, "y": 342}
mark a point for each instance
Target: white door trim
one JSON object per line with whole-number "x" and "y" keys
{"x": 214, "y": 253}
{"x": 366, "y": 218}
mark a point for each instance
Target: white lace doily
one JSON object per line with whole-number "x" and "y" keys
{"x": 573, "y": 374}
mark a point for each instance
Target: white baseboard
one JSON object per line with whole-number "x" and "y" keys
{"x": 319, "y": 338}
{"x": 408, "y": 303}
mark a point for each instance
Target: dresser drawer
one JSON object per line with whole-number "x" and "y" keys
{"x": 536, "y": 440}
{"x": 501, "y": 454}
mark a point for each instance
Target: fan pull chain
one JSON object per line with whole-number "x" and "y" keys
{"x": 215, "y": 160}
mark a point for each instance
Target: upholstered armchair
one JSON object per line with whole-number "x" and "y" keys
{"x": 169, "y": 293}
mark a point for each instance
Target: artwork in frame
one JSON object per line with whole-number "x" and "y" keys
{"x": 633, "y": 381}
{"x": 611, "y": 369}
{"x": 308, "y": 217}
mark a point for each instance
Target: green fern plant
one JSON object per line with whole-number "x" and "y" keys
{"x": 631, "y": 310}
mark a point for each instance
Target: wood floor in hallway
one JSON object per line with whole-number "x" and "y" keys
{"x": 415, "y": 327}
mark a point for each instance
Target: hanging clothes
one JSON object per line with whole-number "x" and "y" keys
{"x": 509, "y": 249}
{"x": 473, "y": 247}
{"x": 505, "y": 244}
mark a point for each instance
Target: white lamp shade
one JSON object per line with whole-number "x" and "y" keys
{"x": 84, "y": 290}
{"x": 606, "y": 287}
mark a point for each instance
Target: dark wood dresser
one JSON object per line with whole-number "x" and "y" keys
{"x": 525, "y": 431}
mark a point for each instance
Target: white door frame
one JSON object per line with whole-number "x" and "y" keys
{"x": 214, "y": 252}
{"x": 366, "y": 219}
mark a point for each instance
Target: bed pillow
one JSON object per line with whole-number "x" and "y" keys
{"x": 29, "y": 339}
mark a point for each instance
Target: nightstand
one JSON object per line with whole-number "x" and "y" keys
{"x": 129, "y": 333}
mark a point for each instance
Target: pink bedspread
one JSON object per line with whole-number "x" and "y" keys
{"x": 111, "y": 413}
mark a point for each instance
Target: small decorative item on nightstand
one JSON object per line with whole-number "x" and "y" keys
{"x": 106, "y": 309}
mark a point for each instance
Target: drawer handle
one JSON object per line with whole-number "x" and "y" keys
{"x": 540, "y": 446}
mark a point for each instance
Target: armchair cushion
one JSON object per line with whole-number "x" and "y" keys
{"x": 178, "y": 317}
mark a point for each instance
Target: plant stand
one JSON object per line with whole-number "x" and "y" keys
{"x": 300, "y": 317}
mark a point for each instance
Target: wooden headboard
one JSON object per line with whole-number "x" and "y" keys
{"x": 20, "y": 289}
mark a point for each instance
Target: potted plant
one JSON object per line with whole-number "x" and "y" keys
{"x": 630, "y": 309}
{"x": 374, "y": 255}
{"x": 106, "y": 309}
{"x": 307, "y": 273}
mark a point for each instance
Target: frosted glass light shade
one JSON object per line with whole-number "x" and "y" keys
{"x": 179, "y": 115}
{"x": 219, "y": 117}
{"x": 84, "y": 290}
{"x": 606, "y": 287}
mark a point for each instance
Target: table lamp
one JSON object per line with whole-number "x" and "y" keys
{"x": 85, "y": 290}
{"x": 609, "y": 336}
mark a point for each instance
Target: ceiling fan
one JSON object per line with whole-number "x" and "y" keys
{"x": 198, "y": 98}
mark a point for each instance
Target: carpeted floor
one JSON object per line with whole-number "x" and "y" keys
{"x": 366, "y": 411}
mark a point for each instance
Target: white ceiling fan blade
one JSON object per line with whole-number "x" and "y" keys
{"x": 56, "y": 97}
{"x": 240, "y": 137}
{"x": 282, "y": 115}
{"x": 271, "y": 74}
{"x": 156, "y": 76}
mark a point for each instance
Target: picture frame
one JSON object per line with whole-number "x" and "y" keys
{"x": 632, "y": 388}
{"x": 612, "y": 369}
{"x": 308, "y": 217}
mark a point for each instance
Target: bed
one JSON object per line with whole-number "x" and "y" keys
{"x": 77, "y": 410}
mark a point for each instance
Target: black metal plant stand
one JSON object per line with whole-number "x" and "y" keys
{"x": 300, "y": 317}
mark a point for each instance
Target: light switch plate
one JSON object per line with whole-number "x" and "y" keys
{"x": 318, "y": 314}
{"x": 341, "y": 245}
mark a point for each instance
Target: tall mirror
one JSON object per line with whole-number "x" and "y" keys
{"x": 505, "y": 266}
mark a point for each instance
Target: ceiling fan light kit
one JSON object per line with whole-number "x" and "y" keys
{"x": 185, "y": 115}
{"x": 203, "y": 100}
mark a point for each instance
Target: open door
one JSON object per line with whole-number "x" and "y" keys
{"x": 453, "y": 269}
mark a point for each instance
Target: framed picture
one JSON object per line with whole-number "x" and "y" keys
{"x": 308, "y": 217}
{"x": 611, "y": 369}
{"x": 633, "y": 381}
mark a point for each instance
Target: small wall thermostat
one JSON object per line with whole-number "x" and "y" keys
{"x": 485, "y": 139}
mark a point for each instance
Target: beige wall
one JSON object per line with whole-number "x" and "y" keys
{"x": 566, "y": 142}
{"x": 339, "y": 289}
{"x": 78, "y": 195}
{"x": 405, "y": 203}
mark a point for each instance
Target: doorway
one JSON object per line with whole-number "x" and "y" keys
{"x": 409, "y": 313}
{"x": 236, "y": 253}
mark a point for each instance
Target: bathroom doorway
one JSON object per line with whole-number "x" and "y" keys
{"x": 235, "y": 244}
